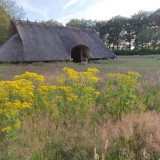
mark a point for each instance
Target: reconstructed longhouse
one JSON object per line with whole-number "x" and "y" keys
{"x": 35, "y": 42}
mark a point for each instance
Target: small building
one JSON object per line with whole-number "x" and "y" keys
{"x": 39, "y": 42}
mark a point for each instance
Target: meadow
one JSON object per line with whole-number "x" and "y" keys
{"x": 107, "y": 109}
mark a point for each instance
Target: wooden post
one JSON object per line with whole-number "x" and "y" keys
{"x": 81, "y": 54}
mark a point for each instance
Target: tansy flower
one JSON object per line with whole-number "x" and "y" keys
{"x": 95, "y": 79}
{"x": 58, "y": 97}
{"x": 60, "y": 80}
{"x": 92, "y": 70}
{"x": 18, "y": 124}
{"x": 1, "y": 111}
{"x": 97, "y": 93}
{"x": 8, "y": 128}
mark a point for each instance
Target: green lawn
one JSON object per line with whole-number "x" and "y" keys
{"x": 148, "y": 66}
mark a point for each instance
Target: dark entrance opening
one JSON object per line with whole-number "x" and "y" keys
{"x": 79, "y": 53}
{"x": 76, "y": 54}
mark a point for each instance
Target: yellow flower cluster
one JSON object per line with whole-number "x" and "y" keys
{"x": 131, "y": 77}
{"x": 18, "y": 124}
{"x": 6, "y": 129}
{"x": 89, "y": 89}
{"x": 134, "y": 74}
{"x": 97, "y": 93}
{"x": 94, "y": 79}
{"x": 71, "y": 73}
{"x": 115, "y": 75}
{"x": 17, "y": 98}
{"x": 92, "y": 70}
{"x": 12, "y": 108}
{"x": 28, "y": 94}
{"x": 89, "y": 75}
{"x": 30, "y": 76}
{"x": 60, "y": 80}
{"x": 126, "y": 86}
{"x": 65, "y": 88}
{"x": 43, "y": 90}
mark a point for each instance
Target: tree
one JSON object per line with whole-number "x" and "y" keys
{"x": 145, "y": 38}
{"x": 155, "y": 19}
{"x": 4, "y": 25}
{"x": 52, "y": 22}
{"x": 100, "y": 27}
{"x": 128, "y": 35}
{"x": 12, "y": 9}
{"x": 156, "y": 40}
{"x": 116, "y": 30}
{"x": 8, "y": 10}
{"x": 81, "y": 23}
{"x": 140, "y": 21}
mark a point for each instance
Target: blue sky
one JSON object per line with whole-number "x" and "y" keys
{"x": 64, "y": 10}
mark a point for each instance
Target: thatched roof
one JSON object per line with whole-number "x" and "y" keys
{"x": 31, "y": 41}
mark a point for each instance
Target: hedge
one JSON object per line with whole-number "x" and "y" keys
{"x": 135, "y": 52}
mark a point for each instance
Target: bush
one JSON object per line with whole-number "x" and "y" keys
{"x": 135, "y": 52}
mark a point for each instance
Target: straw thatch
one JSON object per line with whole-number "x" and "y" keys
{"x": 31, "y": 42}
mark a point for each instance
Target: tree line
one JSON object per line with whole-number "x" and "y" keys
{"x": 139, "y": 32}
{"x": 8, "y": 10}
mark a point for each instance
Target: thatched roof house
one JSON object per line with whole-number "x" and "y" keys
{"x": 33, "y": 42}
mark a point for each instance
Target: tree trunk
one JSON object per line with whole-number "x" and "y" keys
{"x": 117, "y": 46}
{"x": 109, "y": 46}
{"x": 142, "y": 46}
{"x": 129, "y": 46}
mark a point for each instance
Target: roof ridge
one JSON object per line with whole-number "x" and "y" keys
{"x": 22, "y": 22}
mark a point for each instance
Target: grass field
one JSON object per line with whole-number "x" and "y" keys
{"x": 96, "y": 111}
{"x": 148, "y": 66}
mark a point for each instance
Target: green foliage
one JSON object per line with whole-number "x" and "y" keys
{"x": 4, "y": 25}
{"x": 12, "y": 9}
{"x": 140, "y": 31}
{"x": 126, "y": 87}
{"x": 81, "y": 23}
{"x": 8, "y": 9}
{"x": 136, "y": 52}
{"x": 52, "y": 22}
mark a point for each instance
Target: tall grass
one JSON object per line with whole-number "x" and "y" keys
{"x": 79, "y": 116}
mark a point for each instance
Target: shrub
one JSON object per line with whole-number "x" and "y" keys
{"x": 135, "y": 52}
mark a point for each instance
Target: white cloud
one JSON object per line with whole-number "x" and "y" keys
{"x": 82, "y": 2}
{"x": 107, "y": 9}
{"x": 25, "y": 4}
{"x": 71, "y": 2}
{"x": 65, "y": 19}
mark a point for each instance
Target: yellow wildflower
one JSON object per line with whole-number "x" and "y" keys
{"x": 8, "y": 128}
{"x": 134, "y": 74}
{"x": 60, "y": 80}
{"x": 1, "y": 111}
{"x": 95, "y": 79}
{"x": 69, "y": 99}
{"x": 30, "y": 76}
{"x": 92, "y": 70}
{"x": 58, "y": 97}
{"x": 26, "y": 105}
{"x": 97, "y": 93}
{"x": 18, "y": 124}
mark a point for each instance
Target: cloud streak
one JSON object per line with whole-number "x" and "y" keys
{"x": 70, "y": 3}
{"x": 25, "y": 4}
